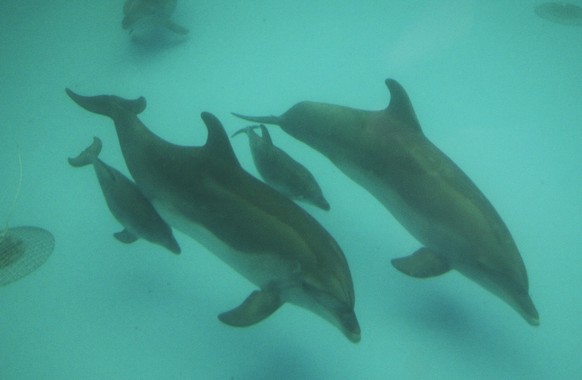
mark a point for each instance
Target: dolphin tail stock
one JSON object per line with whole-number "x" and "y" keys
{"x": 108, "y": 105}
{"x": 89, "y": 155}
{"x": 274, "y": 120}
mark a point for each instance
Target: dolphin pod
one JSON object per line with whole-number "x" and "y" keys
{"x": 127, "y": 203}
{"x": 281, "y": 171}
{"x": 387, "y": 153}
{"x": 267, "y": 238}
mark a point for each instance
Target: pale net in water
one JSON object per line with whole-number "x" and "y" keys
{"x": 22, "y": 251}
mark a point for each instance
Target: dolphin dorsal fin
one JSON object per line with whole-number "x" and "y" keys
{"x": 217, "y": 141}
{"x": 400, "y": 106}
{"x": 266, "y": 134}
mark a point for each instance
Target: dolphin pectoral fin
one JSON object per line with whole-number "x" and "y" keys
{"x": 258, "y": 306}
{"x": 422, "y": 264}
{"x": 125, "y": 236}
{"x": 175, "y": 27}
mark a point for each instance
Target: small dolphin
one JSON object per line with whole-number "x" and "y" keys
{"x": 126, "y": 202}
{"x": 157, "y": 12}
{"x": 388, "y": 154}
{"x": 281, "y": 171}
{"x": 260, "y": 233}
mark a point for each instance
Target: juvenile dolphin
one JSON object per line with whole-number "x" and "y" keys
{"x": 281, "y": 171}
{"x": 267, "y": 238}
{"x": 126, "y": 202}
{"x": 157, "y": 12}
{"x": 388, "y": 154}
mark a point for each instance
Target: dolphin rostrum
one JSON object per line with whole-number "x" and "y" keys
{"x": 267, "y": 238}
{"x": 153, "y": 11}
{"x": 127, "y": 203}
{"x": 281, "y": 171}
{"x": 388, "y": 154}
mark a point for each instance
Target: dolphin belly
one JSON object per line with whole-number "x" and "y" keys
{"x": 259, "y": 268}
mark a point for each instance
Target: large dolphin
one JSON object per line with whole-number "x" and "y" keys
{"x": 281, "y": 171}
{"x": 156, "y": 12}
{"x": 267, "y": 238}
{"x": 127, "y": 203}
{"x": 388, "y": 154}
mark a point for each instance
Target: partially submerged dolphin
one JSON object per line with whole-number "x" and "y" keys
{"x": 281, "y": 171}
{"x": 388, "y": 154}
{"x": 127, "y": 203}
{"x": 157, "y": 12}
{"x": 257, "y": 231}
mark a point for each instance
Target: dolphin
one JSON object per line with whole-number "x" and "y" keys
{"x": 388, "y": 154}
{"x": 127, "y": 203}
{"x": 158, "y": 12}
{"x": 264, "y": 236}
{"x": 560, "y": 13}
{"x": 281, "y": 171}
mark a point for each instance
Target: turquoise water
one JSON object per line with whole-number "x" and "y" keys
{"x": 494, "y": 86}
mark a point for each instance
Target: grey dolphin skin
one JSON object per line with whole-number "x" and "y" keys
{"x": 560, "y": 13}
{"x": 388, "y": 154}
{"x": 157, "y": 11}
{"x": 267, "y": 238}
{"x": 281, "y": 171}
{"x": 126, "y": 202}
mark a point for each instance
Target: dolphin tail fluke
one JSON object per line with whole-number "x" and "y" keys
{"x": 258, "y": 306}
{"x": 108, "y": 105}
{"x": 265, "y": 133}
{"x": 89, "y": 155}
{"x": 276, "y": 120}
{"x": 421, "y": 264}
{"x": 242, "y": 130}
{"x": 246, "y": 130}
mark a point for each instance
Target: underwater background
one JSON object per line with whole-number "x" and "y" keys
{"x": 496, "y": 87}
